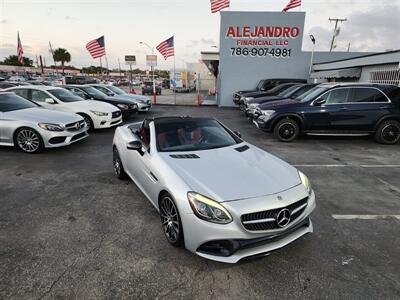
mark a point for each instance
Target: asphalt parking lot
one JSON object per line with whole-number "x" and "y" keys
{"x": 70, "y": 229}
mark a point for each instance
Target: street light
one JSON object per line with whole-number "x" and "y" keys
{"x": 312, "y": 54}
{"x": 152, "y": 70}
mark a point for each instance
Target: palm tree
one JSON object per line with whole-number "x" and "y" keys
{"x": 62, "y": 55}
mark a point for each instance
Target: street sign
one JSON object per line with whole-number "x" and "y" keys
{"x": 151, "y": 60}
{"x": 130, "y": 59}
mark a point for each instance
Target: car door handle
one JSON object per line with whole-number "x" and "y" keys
{"x": 383, "y": 107}
{"x": 343, "y": 108}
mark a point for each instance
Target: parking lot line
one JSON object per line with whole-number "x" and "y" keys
{"x": 365, "y": 217}
{"x": 346, "y": 165}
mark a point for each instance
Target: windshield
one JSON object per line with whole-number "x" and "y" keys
{"x": 260, "y": 84}
{"x": 116, "y": 90}
{"x": 93, "y": 92}
{"x": 65, "y": 95}
{"x": 311, "y": 94}
{"x": 289, "y": 91}
{"x": 10, "y": 101}
{"x": 192, "y": 135}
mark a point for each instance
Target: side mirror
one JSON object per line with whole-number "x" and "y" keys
{"x": 50, "y": 101}
{"x": 135, "y": 145}
{"x": 319, "y": 102}
{"x": 238, "y": 133}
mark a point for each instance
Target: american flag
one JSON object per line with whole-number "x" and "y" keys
{"x": 292, "y": 4}
{"x": 217, "y": 5}
{"x": 96, "y": 47}
{"x": 166, "y": 48}
{"x": 20, "y": 51}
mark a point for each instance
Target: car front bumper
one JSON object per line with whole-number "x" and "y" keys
{"x": 264, "y": 123}
{"x": 240, "y": 242}
{"x": 54, "y": 139}
{"x": 106, "y": 122}
{"x": 144, "y": 106}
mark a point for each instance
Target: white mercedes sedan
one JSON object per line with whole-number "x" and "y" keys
{"x": 218, "y": 196}
{"x": 96, "y": 114}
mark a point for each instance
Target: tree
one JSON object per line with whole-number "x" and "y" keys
{"x": 61, "y": 55}
{"x": 12, "y": 60}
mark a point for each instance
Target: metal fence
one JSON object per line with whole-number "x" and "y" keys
{"x": 385, "y": 76}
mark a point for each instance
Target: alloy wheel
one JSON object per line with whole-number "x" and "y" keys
{"x": 287, "y": 130}
{"x": 117, "y": 163}
{"x": 28, "y": 140}
{"x": 391, "y": 133}
{"x": 170, "y": 219}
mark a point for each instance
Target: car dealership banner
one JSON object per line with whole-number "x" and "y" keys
{"x": 259, "y": 45}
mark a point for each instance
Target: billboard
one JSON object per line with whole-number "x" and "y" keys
{"x": 259, "y": 45}
{"x": 130, "y": 59}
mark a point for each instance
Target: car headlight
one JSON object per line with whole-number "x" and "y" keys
{"x": 51, "y": 127}
{"x": 99, "y": 113}
{"x": 267, "y": 113}
{"x": 123, "y": 106}
{"x": 306, "y": 182}
{"x": 248, "y": 98}
{"x": 208, "y": 210}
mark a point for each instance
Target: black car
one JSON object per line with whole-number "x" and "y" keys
{"x": 337, "y": 109}
{"x": 265, "y": 85}
{"x": 6, "y": 84}
{"x": 272, "y": 92}
{"x": 147, "y": 88}
{"x": 79, "y": 80}
{"x": 88, "y": 92}
{"x": 254, "y": 105}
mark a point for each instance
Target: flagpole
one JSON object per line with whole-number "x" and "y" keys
{"x": 174, "y": 78}
{"x": 101, "y": 69}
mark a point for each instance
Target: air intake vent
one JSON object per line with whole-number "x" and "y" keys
{"x": 242, "y": 149}
{"x": 184, "y": 156}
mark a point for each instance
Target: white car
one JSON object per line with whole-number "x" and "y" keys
{"x": 218, "y": 196}
{"x": 97, "y": 114}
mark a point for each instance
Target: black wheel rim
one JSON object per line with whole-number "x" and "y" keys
{"x": 391, "y": 133}
{"x": 117, "y": 163}
{"x": 287, "y": 131}
{"x": 28, "y": 140}
{"x": 169, "y": 219}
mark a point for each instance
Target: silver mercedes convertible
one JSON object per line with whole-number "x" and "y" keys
{"x": 218, "y": 196}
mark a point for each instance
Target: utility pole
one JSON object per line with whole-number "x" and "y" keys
{"x": 348, "y": 47}
{"x": 335, "y": 30}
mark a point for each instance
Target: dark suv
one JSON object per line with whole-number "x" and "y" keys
{"x": 337, "y": 109}
{"x": 265, "y": 85}
{"x": 147, "y": 88}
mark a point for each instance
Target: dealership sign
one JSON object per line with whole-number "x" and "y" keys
{"x": 130, "y": 59}
{"x": 151, "y": 60}
{"x": 259, "y": 45}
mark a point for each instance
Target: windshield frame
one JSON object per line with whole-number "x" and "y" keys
{"x": 98, "y": 94}
{"x": 312, "y": 94}
{"x": 50, "y": 91}
{"x": 235, "y": 139}
{"x": 115, "y": 90}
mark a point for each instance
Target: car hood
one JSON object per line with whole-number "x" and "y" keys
{"x": 258, "y": 94}
{"x": 133, "y": 97}
{"x": 226, "y": 174}
{"x": 93, "y": 105}
{"x": 283, "y": 103}
{"x": 42, "y": 115}
{"x": 119, "y": 99}
{"x": 264, "y": 99}
{"x": 245, "y": 92}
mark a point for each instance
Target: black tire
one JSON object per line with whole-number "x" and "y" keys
{"x": 118, "y": 167}
{"x": 28, "y": 140}
{"x": 388, "y": 132}
{"x": 171, "y": 221}
{"x": 286, "y": 130}
{"x": 88, "y": 121}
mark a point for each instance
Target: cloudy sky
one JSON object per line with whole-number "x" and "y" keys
{"x": 371, "y": 26}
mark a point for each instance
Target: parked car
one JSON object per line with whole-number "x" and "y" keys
{"x": 337, "y": 109}
{"x": 252, "y": 106}
{"x": 88, "y": 92}
{"x": 6, "y": 84}
{"x": 272, "y": 92}
{"x": 96, "y": 114}
{"x": 147, "y": 88}
{"x": 265, "y": 85}
{"x": 31, "y": 128}
{"x": 219, "y": 196}
{"x": 143, "y": 102}
{"x": 79, "y": 80}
